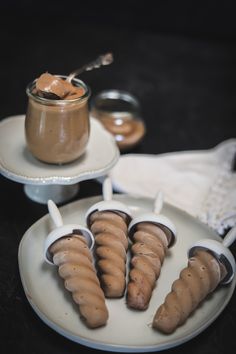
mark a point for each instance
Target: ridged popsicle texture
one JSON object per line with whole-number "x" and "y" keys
{"x": 110, "y": 231}
{"x": 196, "y": 281}
{"x": 148, "y": 253}
{"x": 75, "y": 265}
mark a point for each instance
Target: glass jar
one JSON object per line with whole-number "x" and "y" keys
{"x": 119, "y": 112}
{"x": 57, "y": 131}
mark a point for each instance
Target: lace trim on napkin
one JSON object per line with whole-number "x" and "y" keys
{"x": 219, "y": 207}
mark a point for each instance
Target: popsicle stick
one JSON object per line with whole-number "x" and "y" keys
{"x": 158, "y": 203}
{"x": 107, "y": 189}
{"x": 230, "y": 237}
{"x": 55, "y": 213}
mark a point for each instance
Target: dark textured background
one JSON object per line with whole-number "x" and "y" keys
{"x": 177, "y": 57}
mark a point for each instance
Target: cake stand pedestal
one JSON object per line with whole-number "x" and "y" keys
{"x": 58, "y": 193}
{"x": 57, "y": 182}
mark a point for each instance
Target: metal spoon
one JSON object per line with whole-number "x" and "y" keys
{"x": 104, "y": 59}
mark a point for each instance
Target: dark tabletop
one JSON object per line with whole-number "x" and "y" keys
{"x": 180, "y": 62}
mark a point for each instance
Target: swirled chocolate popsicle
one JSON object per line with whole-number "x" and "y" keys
{"x": 108, "y": 220}
{"x": 210, "y": 264}
{"x": 68, "y": 247}
{"x": 151, "y": 235}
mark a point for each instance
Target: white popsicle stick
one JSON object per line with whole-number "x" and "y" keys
{"x": 156, "y": 218}
{"x": 55, "y": 213}
{"x": 221, "y": 252}
{"x": 107, "y": 204}
{"x": 230, "y": 237}
{"x": 107, "y": 189}
{"x": 62, "y": 230}
{"x": 158, "y": 203}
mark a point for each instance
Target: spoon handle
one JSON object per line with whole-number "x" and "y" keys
{"x": 104, "y": 59}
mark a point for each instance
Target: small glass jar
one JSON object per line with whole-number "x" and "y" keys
{"x": 57, "y": 131}
{"x": 119, "y": 112}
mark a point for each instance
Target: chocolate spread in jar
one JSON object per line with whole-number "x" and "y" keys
{"x": 57, "y": 130}
{"x": 127, "y": 131}
{"x": 57, "y": 88}
{"x": 119, "y": 112}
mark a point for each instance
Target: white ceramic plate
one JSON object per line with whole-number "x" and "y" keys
{"x": 126, "y": 330}
{"x": 18, "y": 164}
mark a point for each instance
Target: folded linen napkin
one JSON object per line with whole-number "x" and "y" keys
{"x": 202, "y": 183}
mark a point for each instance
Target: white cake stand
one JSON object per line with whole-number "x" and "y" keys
{"x": 57, "y": 182}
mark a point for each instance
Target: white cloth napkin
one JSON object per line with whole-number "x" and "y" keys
{"x": 201, "y": 183}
